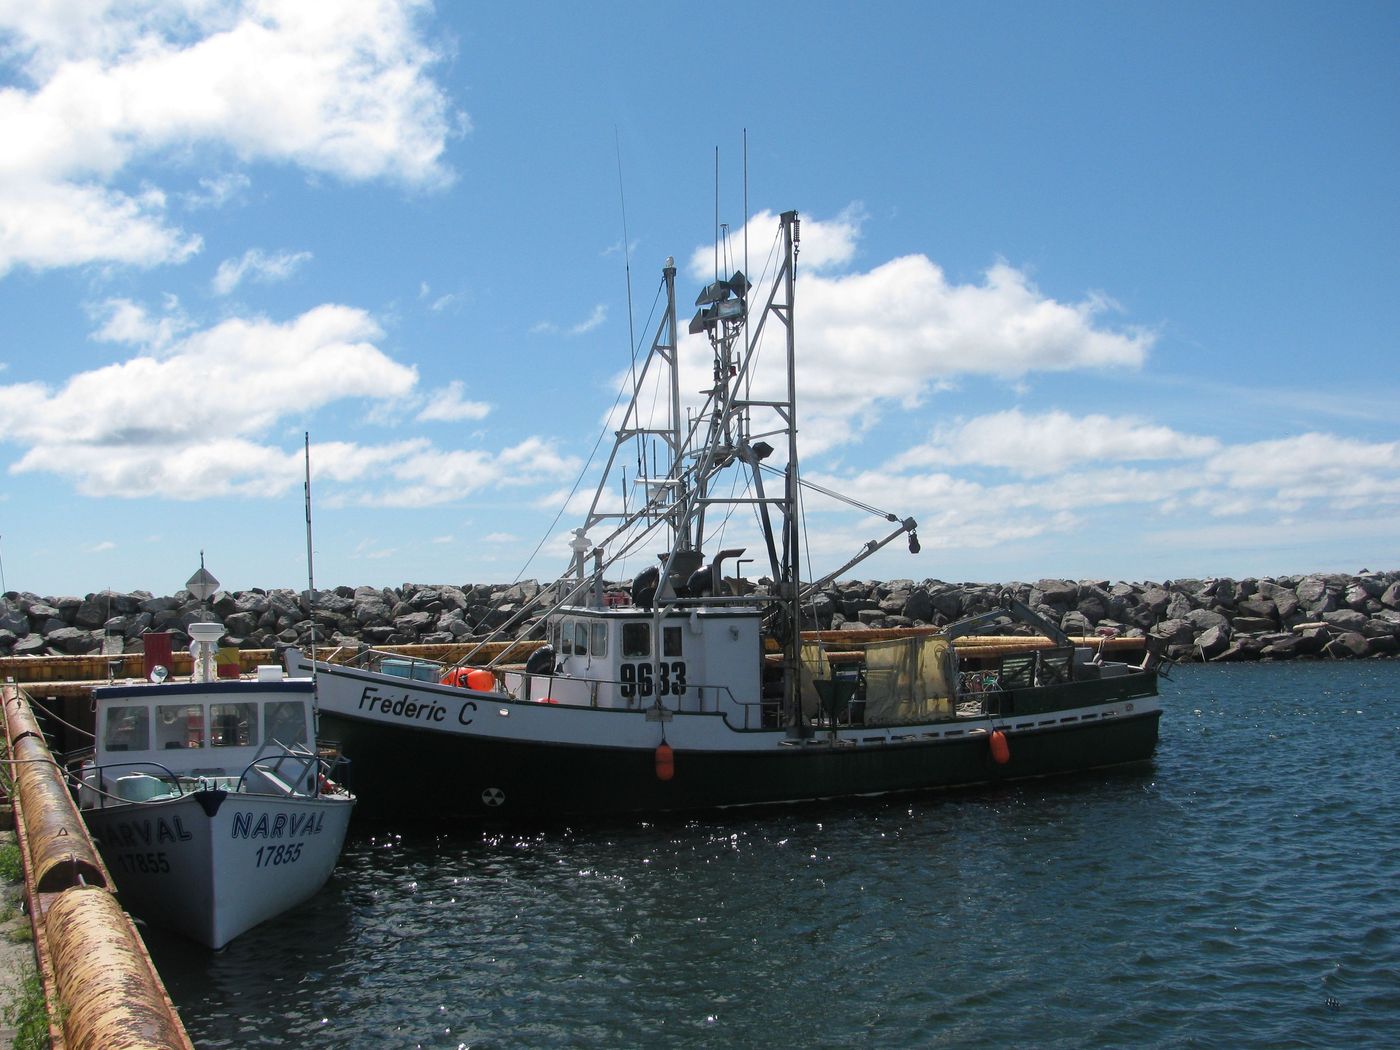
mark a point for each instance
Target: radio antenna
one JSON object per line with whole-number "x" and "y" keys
{"x": 626, "y": 248}
{"x": 310, "y": 573}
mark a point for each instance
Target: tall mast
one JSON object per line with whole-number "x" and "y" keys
{"x": 659, "y": 493}
{"x": 790, "y": 586}
{"x": 676, "y": 440}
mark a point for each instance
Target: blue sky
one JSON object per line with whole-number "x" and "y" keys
{"x": 1090, "y": 290}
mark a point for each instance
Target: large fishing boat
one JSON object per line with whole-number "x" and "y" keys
{"x": 697, "y": 687}
{"x": 209, "y": 800}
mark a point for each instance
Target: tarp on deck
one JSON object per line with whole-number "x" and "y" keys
{"x": 906, "y": 681}
{"x": 815, "y": 668}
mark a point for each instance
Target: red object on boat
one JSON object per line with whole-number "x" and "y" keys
{"x": 156, "y": 647}
{"x": 665, "y": 761}
{"x": 1001, "y": 750}
{"x": 481, "y": 679}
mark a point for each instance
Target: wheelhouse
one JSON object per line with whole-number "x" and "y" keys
{"x": 697, "y": 660}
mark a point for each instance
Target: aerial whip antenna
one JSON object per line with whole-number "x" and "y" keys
{"x": 746, "y": 200}
{"x": 626, "y": 249}
{"x": 716, "y": 213}
{"x": 310, "y": 575}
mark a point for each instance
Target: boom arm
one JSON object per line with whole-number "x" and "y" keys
{"x": 1017, "y": 610}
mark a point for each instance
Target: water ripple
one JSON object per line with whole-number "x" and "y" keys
{"x": 1240, "y": 892}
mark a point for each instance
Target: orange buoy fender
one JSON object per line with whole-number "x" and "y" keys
{"x": 1001, "y": 750}
{"x": 665, "y": 761}
{"x": 480, "y": 679}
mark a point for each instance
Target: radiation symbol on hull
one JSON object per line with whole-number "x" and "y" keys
{"x": 493, "y": 797}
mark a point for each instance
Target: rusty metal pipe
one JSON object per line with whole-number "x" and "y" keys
{"x": 62, "y": 852}
{"x": 58, "y": 841}
{"x": 111, "y": 996}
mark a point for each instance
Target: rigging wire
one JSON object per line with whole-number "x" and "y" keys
{"x": 583, "y": 472}
{"x": 842, "y": 497}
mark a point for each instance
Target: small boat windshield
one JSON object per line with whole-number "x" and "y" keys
{"x": 186, "y": 726}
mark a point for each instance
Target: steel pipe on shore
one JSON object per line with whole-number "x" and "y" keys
{"x": 111, "y": 995}
{"x": 61, "y": 851}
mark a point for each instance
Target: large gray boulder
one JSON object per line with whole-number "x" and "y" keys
{"x": 1061, "y": 593}
{"x": 1390, "y": 597}
{"x": 370, "y": 608}
{"x": 1345, "y": 619}
{"x": 1213, "y": 641}
{"x": 29, "y": 645}
{"x": 1253, "y": 625}
{"x": 919, "y": 606}
{"x": 1203, "y": 619}
{"x": 1261, "y": 608}
{"x": 1093, "y": 603}
{"x": 1349, "y": 645}
{"x": 12, "y": 619}
{"x": 1316, "y": 596}
{"x": 74, "y": 640}
{"x": 1179, "y": 632}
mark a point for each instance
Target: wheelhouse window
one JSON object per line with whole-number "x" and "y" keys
{"x": 671, "y": 641}
{"x": 127, "y": 729}
{"x": 600, "y": 639}
{"x": 285, "y": 722}
{"x": 581, "y": 638}
{"x": 179, "y": 725}
{"x": 566, "y": 638}
{"x": 636, "y": 640}
{"x": 233, "y": 725}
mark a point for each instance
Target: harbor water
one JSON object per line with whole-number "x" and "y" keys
{"x": 1241, "y": 891}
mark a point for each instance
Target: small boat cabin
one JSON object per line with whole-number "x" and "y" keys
{"x": 206, "y": 730}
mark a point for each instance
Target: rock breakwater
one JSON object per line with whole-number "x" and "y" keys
{"x": 1317, "y": 615}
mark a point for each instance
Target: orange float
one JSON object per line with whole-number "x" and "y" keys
{"x": 1001, "y": 750}
{"x": 665, "y": 761}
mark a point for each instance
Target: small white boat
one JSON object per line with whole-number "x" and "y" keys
{"x": 209, "y": 800}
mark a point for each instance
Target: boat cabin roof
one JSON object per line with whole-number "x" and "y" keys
{"x": 677, "y": 609}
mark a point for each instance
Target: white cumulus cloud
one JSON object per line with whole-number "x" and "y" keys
{"x": 891, "y": 336}
{"x": 195, "y": 407}
{"x": 1053, "y": 442}
{"x": 343, "y": 89}
{"x": 448, "y": 405}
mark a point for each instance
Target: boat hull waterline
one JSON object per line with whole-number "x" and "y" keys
{"x": 482, "y": 755}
